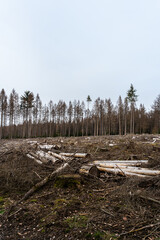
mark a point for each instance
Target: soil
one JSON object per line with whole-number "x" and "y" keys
{"x": 74, "y": 206}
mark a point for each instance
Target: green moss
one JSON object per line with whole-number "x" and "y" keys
{"x": 77, "y": 221}
{"x": 67, "y": 183}
{"x": 2, "y": 211}
{"x": 58, "y": 204}
{"x": 103, "y": 236}
{"x": 101, "y": 198}
{"x": 33, "y": 200}
{"x": 1, "y": 199}
{"x": 100, "y": 236}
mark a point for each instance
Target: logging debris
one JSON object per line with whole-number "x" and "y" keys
{"x": 72, "y": 205}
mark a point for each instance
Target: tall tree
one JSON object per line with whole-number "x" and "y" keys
{"x": 126, "y": 109}
{"x": 109, "y": 106}
{"x": 89, "y": 100}
{"x": 120, "y": 115}
{"x": 156, "y": 115}
{"x": 27, "y": 101}
{"x": 132, "y": 98}
{"x": 69, "y": 113}
{"x": 3, "y": 108}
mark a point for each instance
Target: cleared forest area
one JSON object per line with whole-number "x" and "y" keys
{"x": 56, "y": 188}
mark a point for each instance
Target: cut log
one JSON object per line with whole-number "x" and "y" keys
{"x": 45, "y": 157}
{"x": 77, "y": 155}
{"x": 132, "y": 169}
{"x": 36, "y": 160}
{"x": 46, "y": 147}
{"x": 121, "y": 165}
{"x": 90, "y": 170}
{"x": 143, "y": 171}
{"x": 58, "y": 156}
{"x": 39, "y": 157}
{"x": 119, "y": 172}
{"x": 121, "y": 161}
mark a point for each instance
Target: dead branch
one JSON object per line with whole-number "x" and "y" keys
{"x": 121, "y": 170}
{"x": 107, "y": 212}
{"x": 38, "y": 186}
{"x": 150, "y": 199}
{"x": 139, "y": 229}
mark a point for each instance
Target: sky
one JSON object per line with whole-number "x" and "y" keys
{"x": 69, "y": 49}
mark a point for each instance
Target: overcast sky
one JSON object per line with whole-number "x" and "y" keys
{"x": 68, "y": 49}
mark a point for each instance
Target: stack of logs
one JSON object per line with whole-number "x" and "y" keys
{"x": 121, "y": 167}
{"x": 45, "y": 154}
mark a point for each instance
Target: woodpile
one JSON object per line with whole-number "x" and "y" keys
{"x": 128, "y": 168}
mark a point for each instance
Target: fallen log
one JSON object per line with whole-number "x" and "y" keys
{"x": 45, "y": 157}
{"x": 46, "y": 147}
{"x": 90, "y": 170}
{"x": 43, "y": 182}
{"x": 77, "y": 155}
{"x": 38, "y": 157}
{"x": 121, "y": 161}
{"x": 38, "y": 186}
{"x": 36, "y": 160}
{"x": 132, "y": 169}
{"x": 58, "y": 156}
{"x": 143, "y": 171}
{"x": 120, "y": 172}
{"x": 121, "y": 165}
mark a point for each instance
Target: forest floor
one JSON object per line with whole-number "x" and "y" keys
{"x": 73, "y": 206}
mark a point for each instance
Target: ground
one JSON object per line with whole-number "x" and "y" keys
{"x": 73, "y": 206}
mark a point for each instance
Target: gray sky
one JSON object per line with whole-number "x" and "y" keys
{"x": 67, "y": 49}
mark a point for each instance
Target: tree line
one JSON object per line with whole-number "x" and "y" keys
{"x": 25, "y": 116}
